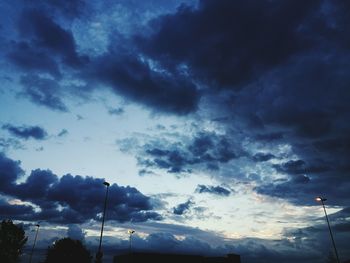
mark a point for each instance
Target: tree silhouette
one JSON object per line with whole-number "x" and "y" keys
{"x": 67, "y": 250}
{"x": 12, "y": 240}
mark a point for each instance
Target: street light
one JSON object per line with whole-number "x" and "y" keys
{"x": 99, "y": 253}
{"x": 36, "y": 236}
{"x": 322, "y": 200}
{"x": 130, "y": 231}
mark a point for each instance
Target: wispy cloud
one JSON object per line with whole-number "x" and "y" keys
{"x": 26, "y": 132}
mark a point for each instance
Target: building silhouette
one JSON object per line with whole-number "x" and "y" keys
{"x": 143, "y": 257}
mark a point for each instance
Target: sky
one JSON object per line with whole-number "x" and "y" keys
{"x": 216, "y": 123}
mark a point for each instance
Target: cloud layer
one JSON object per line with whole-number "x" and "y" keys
{"x": 68, "y": 199}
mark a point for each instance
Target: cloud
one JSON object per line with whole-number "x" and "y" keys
{"x": 270, "y": 137}
{"x": 134, "y": 78}
{"x": 29, "y": 58}
{"x": 75, "y": 232}
{"x": 263, "y": 157}
{"x": 70, "y": 199}
{"x": 44, "y": 51}
{"x": 302, "y": 189}
{"x": 26, "y": 132}
{"x": 10, "y": 143}
{"x": 341, "y": 215}
{"x": 180, "y": 209}
{"x": 310, "y": 177}
{"x": 43, "y": 91}
{"x": 44, "y": 45}
{"x": 35, "y": 187}
{"x": 48, "y": 35}
{"x": 203, "y": 149}
{"x": 300, "y": 167}
{"x": 227, "y": 43}
{"x": 63, "y": 132}
{"x": 10, "y": 171}
{"x": 282, "y": 79}
{"x": 116, "y": 111}
{"x": 72, "y": 8}
{"x": 215, "y": 190}
{"x": 13, "y": 210}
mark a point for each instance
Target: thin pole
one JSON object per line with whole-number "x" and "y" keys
{"x": 330, "y": 231}
{"x": 99, "y": 253}
{"x": 36, "y": 236}
{"x": 130, "y": 231}
{"x": 130, "y": 243}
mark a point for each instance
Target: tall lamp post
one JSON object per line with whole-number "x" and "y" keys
{"x": 322, "y": 200}
{"x": 130, "y": 234}
{"x": 36, "y": 236}
{"x": 99, "y": 253}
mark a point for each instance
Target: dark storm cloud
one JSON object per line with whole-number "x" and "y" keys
{"x": 72, "y": 8}
{"x": 182, "y": 208}
{"x": 313, "y": 113}
{"x": 303, "y": 104}
{"x": 285, "y": 85}
{"x": 42, "y": 51}
{"x": 156, "y": 70}
{"x": 174, "y": 161}
{"x": 309, "y": 123}
{"x": 26, "y": 132}
{"x": 228, "y": 42}
{"x": 122, "y": 68}
{"x": 300, "y": 167}
{"x": 70, "y": 199}
{"x": 10, "y": 171}
{"x": 29, "y": 58}
{"x": 43, "y": 91}
{"x": 204, "y": 143}
{"x": 286, "y": 74}
{"x": 133, "y": 77}
{"x": 43, "y": 46}
{"x": 216, "y": 190}
{"x": 270, "y": 137}
{"x": 48, "y": 35}
{"x": 302, "y": 189}
{"x": 204, "y": 149}
{"x": 13, "y": 210}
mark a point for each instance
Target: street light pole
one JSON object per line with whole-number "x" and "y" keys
{"x": 36, "y": 236}
{"x": 99, "y": 253}
{"x": 130, "y": 234}
{"x": 322, "y": 200}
